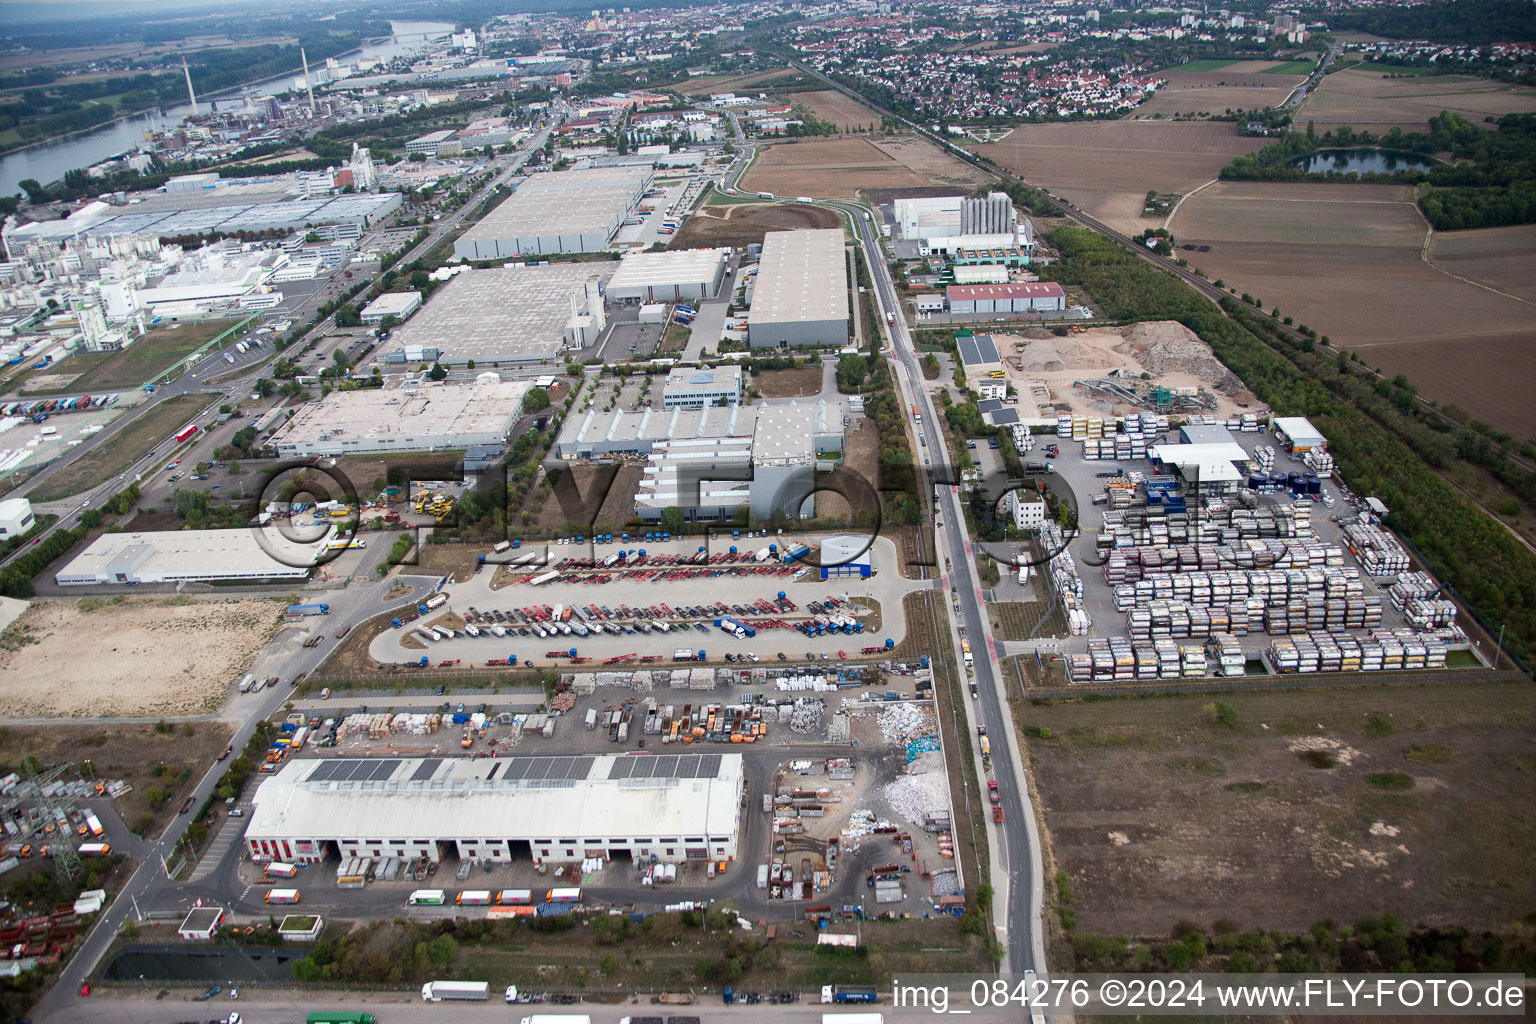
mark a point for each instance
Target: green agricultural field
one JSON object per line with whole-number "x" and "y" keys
{"x": 1292, "y": 67}
{"x": 117, "y": 453}
{"x": 1204, "y": 64}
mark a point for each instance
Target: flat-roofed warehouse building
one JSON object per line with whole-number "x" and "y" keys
{"x": 669, "y": 275}
{"x": 800, "y": 296}
{"x": 1022, "y": 297}
{"x": 558, "y": 211}
{"x": 178, "y": 556}
{"x": 509, "y": 315}
{"x": 671, "y": 807}
{"x": 688, "y": 388}
{"x": 396, "y": 304}
{"x": 413, "y": 417}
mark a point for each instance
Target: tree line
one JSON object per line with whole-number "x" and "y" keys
{"x": 1491, "y": 181}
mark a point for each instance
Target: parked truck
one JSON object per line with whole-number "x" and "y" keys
{"x": 849, "y": 994}
{"x": 457, "y": 991}
{"x": 309, "y": 609}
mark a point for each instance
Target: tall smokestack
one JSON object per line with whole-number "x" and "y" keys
{"x": 192, "y": 96}
{"x": 307, "y": 87}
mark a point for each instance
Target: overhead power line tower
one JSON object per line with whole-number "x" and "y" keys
{"x": 52, "y": 804}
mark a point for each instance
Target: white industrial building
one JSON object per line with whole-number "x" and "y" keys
{"x": 187, "y": 556}
{"x": 430, "y": 143}
{"x": 1028, "y": 509}
{"x": 1298, "y": 434}
{"x": 556, "y": 212}
{"x": 509, "y": 315}
{"x": 415, "y": 416}
{"x": 1206, "y": 468}
{"x": 800, "y": 294}
{"x": 934, "y": 217}
{"x": 1021, "y": 297}
{"x": 399, "y": 305}
{"x": 927, "y": 217}
{"x": 669, "y": 275}
{"x": 16, "y": 517}
{"x": 562, "y": 809}
{"x": 981, "y": 273}
{"x": 695, "y": 389}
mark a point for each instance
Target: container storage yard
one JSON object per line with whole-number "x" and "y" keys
{"x": 1230, "y": 551}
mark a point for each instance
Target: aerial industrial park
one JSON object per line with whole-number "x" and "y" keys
{"x": 709, "y": 515}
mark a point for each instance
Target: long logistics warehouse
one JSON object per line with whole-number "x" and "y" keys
{"x": 669, "y": 275}
{"x": 673, "y": 807}
{"x": 409, "y": 417}
{"x": 558, "y": 211}
{"x": 800, "y": 297}
{"x": 181, "y": 556}
{"x": 508, "y": 315}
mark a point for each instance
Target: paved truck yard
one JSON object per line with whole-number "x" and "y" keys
{"x": 670, "y": 589}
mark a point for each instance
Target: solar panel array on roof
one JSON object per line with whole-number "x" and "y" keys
{"x": 532, "y": 769}
{"x": 426, "y": 768}
{"x": 1005, "y": 417}
{"x": 666, "y": 766}
{"x": 365, "y": 770}
{"x": 977, "y": 350}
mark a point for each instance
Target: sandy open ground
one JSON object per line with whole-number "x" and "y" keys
{"x": 124, "y": 656}
{"x": 1366, "y": 99}
{"x": 831, "y": 105}
{"x": 1170, "y": 352}
{"x": 1346, "y": 261}
{"x": 840, "y": 168}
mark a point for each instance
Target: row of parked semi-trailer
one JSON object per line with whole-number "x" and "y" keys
{"x": 41, "y": 408}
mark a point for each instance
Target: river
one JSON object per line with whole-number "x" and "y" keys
{"x": 48, "y": 161}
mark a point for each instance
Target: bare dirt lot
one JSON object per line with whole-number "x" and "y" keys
{"x": 1107, "y": 167}
{"x": 134, "y": 754}
{"x": 1368, "y": 99}
{"x": 1213, "y": 92}
{"x": 840, "y": 168}
{"x": 1411, "y": 800}
{"x": 731, "y": 83}
{"x": 1345, "y": 260}
{"x": 742, "y": 224}
{"x": 831, "y": 105}
{"x": 1170, "y": 352}
{"x": 71, "y": 657}
{"x": 805, "y": 380}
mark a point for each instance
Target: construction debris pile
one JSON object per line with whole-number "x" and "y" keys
{"x": 906, "y": 721}
{"x": 382, "y": 726}
{"x": 804, "y": 715}
{"x": 838, "y": 727}
{"x": 922, "y": 794}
